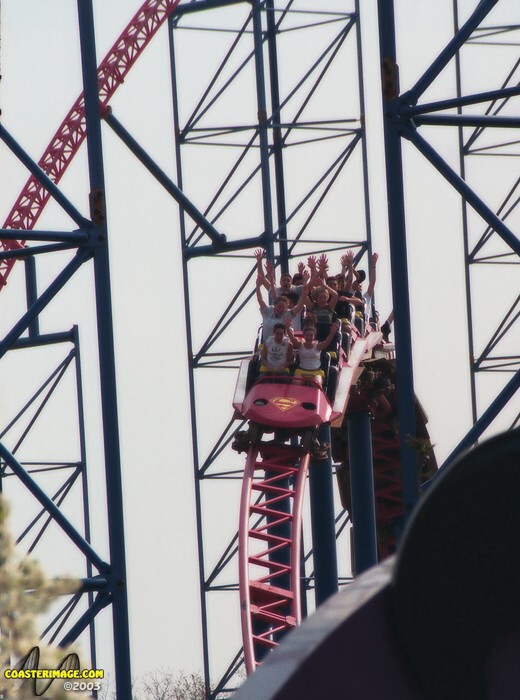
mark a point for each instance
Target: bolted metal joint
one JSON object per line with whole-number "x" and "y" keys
{"x": 390, "y": 78}
{"x": 97, "y": 206}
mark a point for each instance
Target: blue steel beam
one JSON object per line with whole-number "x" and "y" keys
{"x": 227, "y": 247}
{"x": 322, "y": 524}
{"x": 506, "y": 324}
{"x": 65, "y": 275}
{"x": 73, "y": 237}
{"x": 263, "y": 129}
{"x": 85, "y": 486}
{"x": 482, "y": 10}
{"x": 36, "y": 250}
{"x": 38, "y": 173}
{"x": 106, "y": 353}
{"x": 362, "y": 489}
{"x": 44, "y": 339}
{"x": 101, "y": 601}
{"x": 277, "y": 147}
{"x": 191, "y": 375}
{"x": 31, "y": 293}
{"x": 398, "y": 253}
{"x": 463, "y": 188}
{"x": 467, "y": 120}
{"x": 364, "y": 147}
{"x": 55, "y": 512}
{"x": 186, "y": 8}
{"x": 161, "y": 177}
{"x": 464, "y": 101}
{"x": 486, "y": 419}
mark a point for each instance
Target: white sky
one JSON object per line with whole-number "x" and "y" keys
{"x": 40, "y": 81}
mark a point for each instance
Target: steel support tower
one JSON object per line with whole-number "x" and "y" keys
{"x": 490, "y": 143}
{"x": 44, "y": 441}
{"x": 488, "y": 230}
{"x": 273, "y": 152}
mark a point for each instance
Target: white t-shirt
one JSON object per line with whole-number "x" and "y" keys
{"x": 277, "y": 352}
{"x": 270, "y": 320}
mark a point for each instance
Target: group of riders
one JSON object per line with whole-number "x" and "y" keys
{"x": 312, "y": 311}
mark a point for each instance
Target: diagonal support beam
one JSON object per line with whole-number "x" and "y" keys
{"x": 168, "y": 184}
{"x": 53, "y": 510}
{"x": 463, "y": 189}
{"x": 464, "y": 33}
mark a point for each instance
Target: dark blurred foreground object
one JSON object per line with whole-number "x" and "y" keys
{"x": 441, "y": 621}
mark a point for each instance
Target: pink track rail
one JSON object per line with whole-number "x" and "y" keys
{"x": 268, "y": 608}
{"x": 70, "y": 135}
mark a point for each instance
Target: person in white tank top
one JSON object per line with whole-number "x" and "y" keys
{"x": 309, "y": 350}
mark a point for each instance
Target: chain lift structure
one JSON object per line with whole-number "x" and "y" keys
{"x": 259, "y": 120}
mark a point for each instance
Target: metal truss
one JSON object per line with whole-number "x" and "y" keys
{"x": 63, "y": 481}
{"x": 49, "y": 494}
{"x": 405, "y": 116}
{"x": 493, "y": 141}
{"x": 273, "y": 152}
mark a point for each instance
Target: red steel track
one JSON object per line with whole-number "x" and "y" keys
{"x": 270, "y": 527}
{"x": 274, "y": 476}
{"x": 71, "y": 133}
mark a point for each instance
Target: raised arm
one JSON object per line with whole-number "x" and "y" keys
{"x": 269, "y": 274}
{"x": 355, "y": 301}
{"x": 347, "y": 268}
{"x": 259, "y": 255}
{"x": 289, "y": 359}
{"x": 261, "y": 302}
{"x": 323, "y": 266}
{"x": 334, "y": 327}
{"x": 333, "y": 296}
{"x": 312, "y": 263}
{"x": 301, "y": 303}
{"x": 294, "y": 340}
{"x": 372, "y": 275}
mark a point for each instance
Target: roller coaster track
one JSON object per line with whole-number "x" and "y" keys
{"x": 71, "y": 133}
{"x": 388, "y": 486}
{"x": 270, "y": 602}
{"x": 270, "y": 526}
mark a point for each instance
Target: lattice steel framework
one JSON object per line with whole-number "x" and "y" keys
{"x": 53, "y": 514}
{"x": 405, "y": 118}
{"x": 492, "y": 140}
{"x": 270, "y": 145}
{"x": 270, "y": 152}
